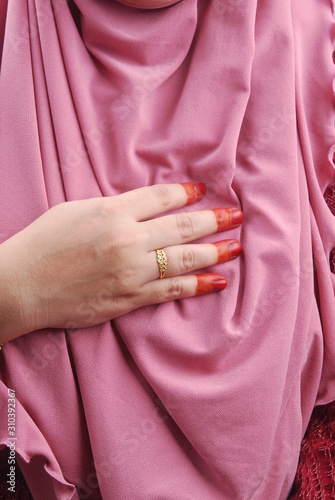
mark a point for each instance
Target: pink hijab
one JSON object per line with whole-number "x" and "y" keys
{"x": 206, "y": 398}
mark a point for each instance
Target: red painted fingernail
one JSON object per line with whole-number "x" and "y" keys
{"x": 200, "y": 189}
{"x": 208, "y": 283}
{"x": 234, "y": 249}
{"x": 236, "y": 216}
{"x": 195, "y": 191}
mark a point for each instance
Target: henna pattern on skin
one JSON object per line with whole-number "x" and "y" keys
{"x": 195, "y": 191}
{"x": 208, "y": 283}
{"x": 227, "y": 250}
{"x": 227, "y": 218}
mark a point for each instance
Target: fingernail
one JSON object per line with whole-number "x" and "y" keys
{"x": 234, "y": 249}
{"x": 236, "y": 216}
{"x": 200, "y": 189}
{"x": 195, "y": 191}
{"x": 208, "y": 283}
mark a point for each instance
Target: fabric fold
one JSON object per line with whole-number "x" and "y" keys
{"x": 206, "y": 398}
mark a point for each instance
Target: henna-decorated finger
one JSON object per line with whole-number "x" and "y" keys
{"x": 185, "y": 227}
{"x": 180, "y": 287}
{"x": 184, "y": 259}
{"x": 148, "y": 202}
{"x": 227, "y": 218}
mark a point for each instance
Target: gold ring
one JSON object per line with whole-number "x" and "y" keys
{"x": 162, "y": 262}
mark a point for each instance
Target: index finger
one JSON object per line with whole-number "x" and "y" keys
{"x": 150, "y": 201}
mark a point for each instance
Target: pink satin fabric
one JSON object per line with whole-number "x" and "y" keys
{"x": 207, "y": 398}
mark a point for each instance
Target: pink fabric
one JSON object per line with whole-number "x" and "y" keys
{"x": 207, "y": 398}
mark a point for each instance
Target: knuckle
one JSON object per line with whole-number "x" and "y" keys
{"x": 162, "y": 194}
{"x": 127, "y": 240}
{"x": 99, "y": 208}
{"x": 184, "y": 225}
{"x": 175, "y": 289}
{"x": 188, "y": 260}
{"x": 126, "y": 283}
{"x": 127, "y": 280}
{"x": 119, "y": 244}
{"x": 117, "y": 205}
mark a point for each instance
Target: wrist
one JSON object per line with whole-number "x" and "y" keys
{"x": 14, "y": 318}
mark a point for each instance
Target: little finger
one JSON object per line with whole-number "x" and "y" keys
{"x": 180, "y": 287}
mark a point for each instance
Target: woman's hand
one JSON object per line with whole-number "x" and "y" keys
{"x": 85, "y": 262}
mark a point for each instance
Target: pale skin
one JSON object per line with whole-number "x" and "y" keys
{"x": 85, "y": 262}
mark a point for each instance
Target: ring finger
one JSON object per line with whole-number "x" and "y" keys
{"x": 188, "y": 258}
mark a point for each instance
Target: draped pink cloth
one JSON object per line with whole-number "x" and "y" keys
{"x": 207, "y": 398}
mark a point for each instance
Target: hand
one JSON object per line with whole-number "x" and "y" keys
{"x": 85, "y": 262}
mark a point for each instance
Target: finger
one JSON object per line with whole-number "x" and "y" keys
{"x": 148, "y": 202}
{"x": 180, "y": 287}
{"x": 184, "y": 259}
{"x": 189, "y": 226}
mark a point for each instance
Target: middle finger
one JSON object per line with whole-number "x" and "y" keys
{"x": 184, "y": 227}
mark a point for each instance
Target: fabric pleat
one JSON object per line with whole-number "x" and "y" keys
{"x": 207, "y": 398}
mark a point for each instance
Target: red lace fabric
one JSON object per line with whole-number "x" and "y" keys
{"x": 332, "y": 261}
{"x": 315, "y": 477}
{"x": 329, "y": 196}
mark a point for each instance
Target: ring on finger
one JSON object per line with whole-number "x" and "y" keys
{"x": 162, "y": 262}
